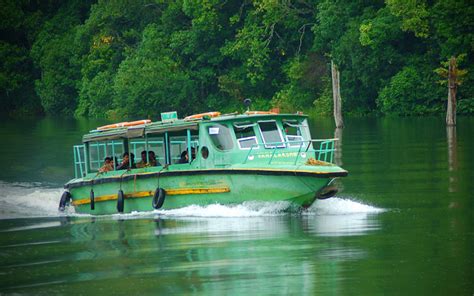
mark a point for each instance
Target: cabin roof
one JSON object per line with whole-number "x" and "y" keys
{"x": 159, "y": 127}
{"x": 255, "y": 117}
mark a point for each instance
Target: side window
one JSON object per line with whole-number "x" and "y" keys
{"x": 136, "y": 147}
{"x": 271, "y": 135}
{"x": 97, "y": 153}
{"x": 156, "y": 144}
{"x": 245, "y": 134}
{"x": 178, "y": 146}
{"x": 293, "y": 133}
{"x": 100, "y": 151}
{"x": 147, "y": 153}
{"x": 220, "y": 136}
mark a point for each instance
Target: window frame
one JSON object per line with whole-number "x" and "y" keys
{"x": 240, "y": 140}
{"x": 254, "y": 145}
{"x": 272, "y": 146}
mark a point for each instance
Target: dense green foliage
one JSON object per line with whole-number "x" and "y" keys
{"x": 132, "y": 58}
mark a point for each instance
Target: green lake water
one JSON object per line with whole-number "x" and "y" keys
{"x": 402, "y": 223}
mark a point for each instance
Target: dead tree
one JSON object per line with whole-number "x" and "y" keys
{"x": 453, "y": 76}
{"x": 452, "y": 88}
{"x": 336, "y": 95}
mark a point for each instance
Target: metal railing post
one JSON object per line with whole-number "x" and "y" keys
{"x": 332, "y": 150}
{"x": 273, "y": 154}
{"x": 248, "y": 154}
{"x": 298, "y": 154}
{"x": 188, "y": 138}
{"x": 146, "y": 149}
{"x": 167, "y": 152}
{"x": 113, "y": 155}
{"x": 75, "y": 161}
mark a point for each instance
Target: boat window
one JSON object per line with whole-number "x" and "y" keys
{"x": 245, "y": 135}
{"x": 179, "y": 147}
{"x": 293, "y": 133}
{"x": 98, "y": 151}
{"x": 220, "y": 136}
{"x": 271, "y": 134}
{"x": 155, "y": 144}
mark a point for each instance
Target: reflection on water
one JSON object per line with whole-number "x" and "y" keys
{"x": 343, "y": 225}
{"x": 189, "y": 253}
{"x": 452, "y": 147}
{"x": 452, "y": 157}
{"x": 341, "y": 217}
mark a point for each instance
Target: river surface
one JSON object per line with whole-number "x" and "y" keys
{"x": 402, "y": 223}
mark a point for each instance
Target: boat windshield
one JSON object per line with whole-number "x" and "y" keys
{"x": 293, "y": 133}
{"x": 271, "y": 134}
{"x": 245, "y": 134}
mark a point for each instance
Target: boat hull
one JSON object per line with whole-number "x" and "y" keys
{"x": 190, "y": 188}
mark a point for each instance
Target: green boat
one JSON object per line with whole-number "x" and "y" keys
{"x": 254, "y": 156}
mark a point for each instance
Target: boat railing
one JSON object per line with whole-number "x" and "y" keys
{"x": 323, "y": 149}
{"x": 98, "y": 151}
{"x": 79, "y": 161}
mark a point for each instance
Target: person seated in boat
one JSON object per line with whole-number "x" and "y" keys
{"x": 152, "y": 159}
{"x": 126, "y": 161}
{"x": 143, "y": 162}
{"x": 184, "y": 158}
{"x": 108, "y": 165}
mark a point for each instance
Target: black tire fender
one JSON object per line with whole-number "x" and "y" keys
{"x": 327, "y": 192}
{"x": 120, "y": 201}
{"x": 92, "y": 199}
{"x": 64, "y": 201}
{"x": 158, "y": 198}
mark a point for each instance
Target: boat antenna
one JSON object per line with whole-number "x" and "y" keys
{"x": 247, "y": 103}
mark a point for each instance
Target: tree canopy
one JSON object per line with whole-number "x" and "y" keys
{"x": 139, "y": 58}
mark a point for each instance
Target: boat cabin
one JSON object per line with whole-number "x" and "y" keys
{"x": 209, "y": 140}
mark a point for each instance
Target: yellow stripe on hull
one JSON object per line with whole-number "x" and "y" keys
{"x": 140, "y": 194}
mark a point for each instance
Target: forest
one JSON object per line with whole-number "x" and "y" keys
{"x": 135, "y": 58}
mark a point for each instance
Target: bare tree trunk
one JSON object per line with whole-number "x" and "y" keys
{"x": 451, "y": 110}
{"x": 336, "y": 95}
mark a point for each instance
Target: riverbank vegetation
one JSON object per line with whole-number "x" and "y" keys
{"x": 119, "y": 59}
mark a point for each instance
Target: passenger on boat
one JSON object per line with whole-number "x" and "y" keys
{"x": 142, "y": 163}
{"x": 184, "y": 157}
{"x": 108, "y": 165}
{"x": 152, "y": 159}
{"x": 125, "y": 165}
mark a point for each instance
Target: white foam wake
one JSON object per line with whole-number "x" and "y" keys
{"x": 340, "y": 206}
{"x": 246, "y": 209}
{"x": 19, "y": 200}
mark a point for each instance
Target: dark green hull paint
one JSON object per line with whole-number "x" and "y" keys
{"x": 298, "y": 190}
